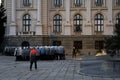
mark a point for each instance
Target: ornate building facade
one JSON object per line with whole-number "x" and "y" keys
{"x": 83, "y": 24}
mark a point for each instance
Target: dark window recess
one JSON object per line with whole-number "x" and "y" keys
{"x": 56, "y": 43}
{"x": 78, "y": 44}
{"x": 99, "y": 44}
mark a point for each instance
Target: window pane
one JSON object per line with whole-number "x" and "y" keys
{"x": 101, "y": 28}
{"x": 78, "y": 22}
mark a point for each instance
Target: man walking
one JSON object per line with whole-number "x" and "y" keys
{"x": 33, "y": 53}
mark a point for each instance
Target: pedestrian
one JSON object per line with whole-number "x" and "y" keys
{"x": 74, "y": 52}
{"x": 33, "y": 53}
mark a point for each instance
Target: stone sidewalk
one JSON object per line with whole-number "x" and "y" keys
{"x": 47, "y": 70}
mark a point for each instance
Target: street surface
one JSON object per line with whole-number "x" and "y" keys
{"x": 69, "y": 69}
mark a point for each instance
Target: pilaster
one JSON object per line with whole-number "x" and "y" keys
{"x": 88, "y": 13}
{"x": 13, "y": 21}
{"x": 110, "y": 13}
{"x": 38, "y": 28}
{"x": 67, "y": 29}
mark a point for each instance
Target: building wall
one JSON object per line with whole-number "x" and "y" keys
{"x": 41, "y": 32}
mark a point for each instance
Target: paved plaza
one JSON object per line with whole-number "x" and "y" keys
{"x": 68, "y": 69}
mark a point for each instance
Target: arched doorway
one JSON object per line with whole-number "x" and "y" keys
{"x": 25, "y": 44}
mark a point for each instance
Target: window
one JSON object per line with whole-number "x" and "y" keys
{"x": 78, "y": 44}
{"x": 98, "y": 2}
{"x": 57, "y": 3}
{"x": 78, "y": 23}
{"x": 118, "y": 19}
{"x": 117, "y": 2}
{"x": 26, "y": 22}
{"x": 26, "y": 2}
{"x": 56, "y": 43}
{"x": 57, "y": 23}
{"x": 78, "y": 3}
{"x": 99, "y": 44}
{"x": 99, "y": 23}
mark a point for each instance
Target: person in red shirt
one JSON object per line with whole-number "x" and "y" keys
{"x": 33, "y": 53}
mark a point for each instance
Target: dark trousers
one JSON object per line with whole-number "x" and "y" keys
{"x": 74, "y": 55}
{"x": 31, "y": 63}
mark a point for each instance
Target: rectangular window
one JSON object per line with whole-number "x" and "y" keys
{"x": 27, "y": 2}
{"x": 99, "y": 2}
{"x": 56, "y": 43}
{"x": 118, "y": 2}
{"x": 78, "y": 44}
{"x": 77, "y": 3}
{"x": 58, "y": 3}
{"x": 99, "y": 44}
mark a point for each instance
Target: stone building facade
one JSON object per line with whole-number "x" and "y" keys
{"x": 83, "y": 24}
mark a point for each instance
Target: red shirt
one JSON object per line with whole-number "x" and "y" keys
{"x": 33, "y": 51}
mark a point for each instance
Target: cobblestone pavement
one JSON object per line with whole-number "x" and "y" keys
{"x": 47, "y": 70}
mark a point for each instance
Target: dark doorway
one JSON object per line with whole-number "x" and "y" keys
{"x": 25, "y": 44}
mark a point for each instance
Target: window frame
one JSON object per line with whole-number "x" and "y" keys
{"x": 99, "y": 2}
{"x": 77, "y": 23}
{"x": 27, "y": 2}
{"x": 26, "y": 22}
{"x": 58, "y": 3}
{"x": 118, "y": 2}
{"x": 78, "y": 3}
{"x": 99, "y": 23}
{"x": 57, "y": 23}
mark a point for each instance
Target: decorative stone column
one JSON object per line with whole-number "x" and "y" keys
{"x": 38, "y": 28}
{"x": 13, "y": 21}
{"x": 67, "y": 30}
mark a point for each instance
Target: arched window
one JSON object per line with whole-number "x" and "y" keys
{"x": 99, "y": 22}
{"x": 118, "y": 19}
{"x": 26, "y": 22}
{"x": 57, "y": 23}
{"x": 78, "y": 23}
